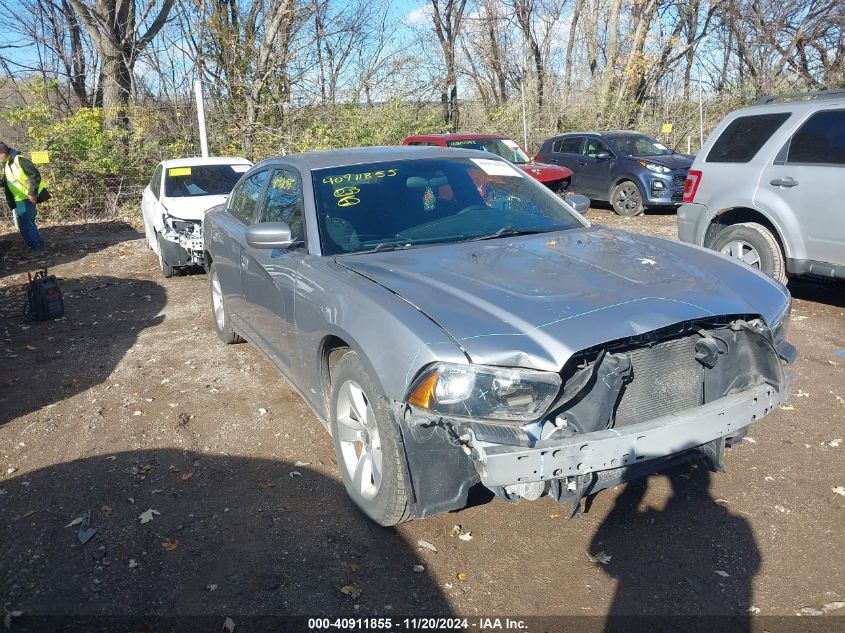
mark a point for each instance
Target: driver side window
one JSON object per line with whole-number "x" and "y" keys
{"x": 593, "y": 147}
{"x": 243, "y": 199}
{"x": 283, "y": 202}
{"x": 155, "y": 182}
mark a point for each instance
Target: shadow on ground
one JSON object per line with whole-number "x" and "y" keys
{"x": 693, "y": 557}
{"x": 44, "y": 362}
{"x": 64, "y": 243}
{"x": 819, "y": 290}
{"x": 228, "y": 536}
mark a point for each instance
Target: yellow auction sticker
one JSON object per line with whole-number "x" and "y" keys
{"x": 40, "y": 158}
{"x": 179, "y": 171}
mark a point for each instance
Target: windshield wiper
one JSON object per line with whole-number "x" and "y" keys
{"x": 383, "y": 246}
{"x": 507, "y": 231}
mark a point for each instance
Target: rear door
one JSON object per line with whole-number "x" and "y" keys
{"x": 594, "y": 172}
{"x": 566, "y": 152}
{"x": 808, "y": 176}
{"x": 228, "y": 240}
{"x": 269, "y": 275}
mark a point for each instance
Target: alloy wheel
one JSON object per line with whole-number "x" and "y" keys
{"x": 358, "y": 437}
{"x": 217, "y": 301}
{"x": 628, "y": 197}
{"x": 743, "y": 251}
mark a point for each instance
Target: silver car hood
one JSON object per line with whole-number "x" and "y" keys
{"x": 533, "y": 301}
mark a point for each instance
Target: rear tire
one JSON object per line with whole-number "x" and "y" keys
{"x": 627, "y": 200}
{"x": 368, "y": 444}
{"x": 220, "y": 316}
{"x": 754, "y": 245}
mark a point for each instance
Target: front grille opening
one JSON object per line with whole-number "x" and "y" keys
{"x": 664, "y": 377}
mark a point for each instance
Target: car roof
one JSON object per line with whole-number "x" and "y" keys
{"x": 363, "y": 155}
{"x": 604, "y": 133}
{"x": 455, "y": 136}
{"x": 807, "y": 105}
{"x": 198, "y": 161}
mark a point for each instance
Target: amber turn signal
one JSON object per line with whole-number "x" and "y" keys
{"x": 423, "y": 395}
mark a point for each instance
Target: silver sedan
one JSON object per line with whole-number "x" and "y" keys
{"x": 453, "y": 323}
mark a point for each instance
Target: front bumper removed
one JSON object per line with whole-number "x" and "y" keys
{"x": 183, "y": 248}
{"x": 609, "y": 452}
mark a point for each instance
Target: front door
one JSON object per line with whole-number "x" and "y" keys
{"x": 594, "y": 167}
{"x": 230, "y": 241}
{"x": 149, "y": 207}
{"x": 269, "y": 275}
{"x": 808, "y": 180}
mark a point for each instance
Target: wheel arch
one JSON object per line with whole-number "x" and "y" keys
{"x": 617, "y": 180}
{"x": 737, "y": 215}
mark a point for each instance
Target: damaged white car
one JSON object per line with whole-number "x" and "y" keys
{"x": 175, "y": 202}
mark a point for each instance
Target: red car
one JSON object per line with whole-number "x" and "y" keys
{"x": 554, "y": 177}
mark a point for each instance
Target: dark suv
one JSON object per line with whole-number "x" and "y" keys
{"x": 630, "y": 170}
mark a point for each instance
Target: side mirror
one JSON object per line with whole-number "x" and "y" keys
{"x": 269, "y": 235}
{"x": 578, "y": 202}
{"x": 603, "y": 156}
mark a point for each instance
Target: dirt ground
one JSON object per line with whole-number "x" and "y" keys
{"x": 130, "y": 407}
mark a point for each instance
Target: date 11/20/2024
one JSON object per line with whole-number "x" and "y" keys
{"x": 418, "y": 624}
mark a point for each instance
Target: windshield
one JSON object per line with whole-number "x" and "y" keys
{"x": 639, "y": 145}
{"x": 202, "y": 180}
{"x": 503, "y": 147}
{"x": 425, "y": 201}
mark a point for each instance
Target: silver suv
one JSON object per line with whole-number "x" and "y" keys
{"x": 768, "y": 187}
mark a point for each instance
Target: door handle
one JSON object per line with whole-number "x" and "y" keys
{"x": 784, "y": 182}
{"x": 244, "y": 262}
{"x": 582, "y": 162}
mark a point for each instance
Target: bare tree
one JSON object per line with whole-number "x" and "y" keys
{"x": 448, "y": 21}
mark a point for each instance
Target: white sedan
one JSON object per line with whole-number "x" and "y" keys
{"x": 175, "y": 202}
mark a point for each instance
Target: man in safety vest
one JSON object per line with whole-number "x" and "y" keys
{"x": 23, "y": 185}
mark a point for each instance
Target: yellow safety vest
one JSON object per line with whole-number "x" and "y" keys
{"x": 18, "y": 181}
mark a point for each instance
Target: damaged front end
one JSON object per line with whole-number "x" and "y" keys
{"x": 182, "y": 242}
{"x": 616, "y": 412}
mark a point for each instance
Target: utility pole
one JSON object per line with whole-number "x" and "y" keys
{"x": 700, "y": 116}
{"x": 524, "y": 120}
{"x": 201, "y": 118}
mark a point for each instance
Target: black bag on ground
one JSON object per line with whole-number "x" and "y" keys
{"x": 43, "y": 297}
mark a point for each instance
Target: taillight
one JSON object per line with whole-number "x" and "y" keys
{"x": 691, "y": 185}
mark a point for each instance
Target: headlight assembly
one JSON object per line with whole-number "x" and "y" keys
{"x": 658, "y": 169}
{"x": 484, "y": 392}
{"x": 188, "y": 228}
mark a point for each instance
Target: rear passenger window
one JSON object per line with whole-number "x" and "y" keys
{"x": 744, "y": 137}
{"x": 821, "y": 140}
{"x": 570, "y": 145}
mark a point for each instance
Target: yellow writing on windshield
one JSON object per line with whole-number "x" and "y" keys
{"x": 363, "y": 177}
{"x": 346, "y": 196}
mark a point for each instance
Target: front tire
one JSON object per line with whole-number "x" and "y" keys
{"x": 754, "y": 245}
{"x": 167, "y": 271}
{"x": 627, "y": 199}
{"x": 367, "y": 444}
{"x": 222, "y": 324}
